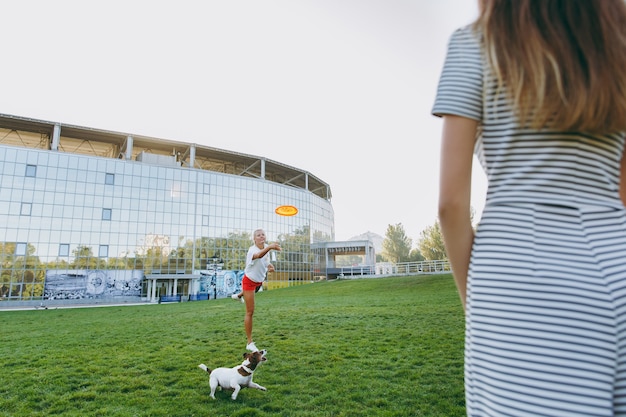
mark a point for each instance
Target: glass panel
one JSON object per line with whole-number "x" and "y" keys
{"x": 20, "y": 249}
{"x": 64, "y": 249}
{"x": 26, "y": 208}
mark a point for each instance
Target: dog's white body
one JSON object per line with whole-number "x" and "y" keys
{"x": 237, "y": 377}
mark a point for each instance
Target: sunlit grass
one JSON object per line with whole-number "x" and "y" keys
{"x": 369, "y": 347}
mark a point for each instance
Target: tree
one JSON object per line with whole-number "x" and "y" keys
{"x": 85, "y": 259}
{"x": 295, "y": 253}
{"x": 397, "y": 245}
{"x": 431, "y": 243}
{"x": 415, "y": 256}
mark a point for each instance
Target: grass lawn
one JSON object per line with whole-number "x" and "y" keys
{"x": 368, "y": 347}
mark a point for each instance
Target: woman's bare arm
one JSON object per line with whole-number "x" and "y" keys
{"x": 455, "y": 180}
{"x": 622, "y": 179}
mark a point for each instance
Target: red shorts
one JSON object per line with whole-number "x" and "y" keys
{"x": 248, "y": 285}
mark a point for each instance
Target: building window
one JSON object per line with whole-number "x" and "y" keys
{"x": 26, "y": 208}
{"x": 20, "y": 249}
{"x": 103, "y": 251}
{"x": 31, "y": 170}
{"x": 64, "y": 249}
{"x": 205, "y": 220}
{"x": 109, "y": 179}
{"x": 106, "y": 214}
{"x": 207, "y": 189}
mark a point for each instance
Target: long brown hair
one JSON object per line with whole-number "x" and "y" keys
{"x": 562, "y": 61}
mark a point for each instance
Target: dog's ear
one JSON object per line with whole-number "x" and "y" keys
{"x": 245, "y": 355}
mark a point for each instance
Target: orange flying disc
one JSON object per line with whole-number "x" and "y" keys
{"x": 286, "y": 211}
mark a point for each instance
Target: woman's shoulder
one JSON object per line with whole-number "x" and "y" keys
{"x": 465, "y": 50}
{"x": 460, "y": 89}
{"x": 255, "y": 249}
{"x": 466, "y": 36}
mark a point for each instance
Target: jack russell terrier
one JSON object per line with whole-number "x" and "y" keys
{"x": 237, "y": 377}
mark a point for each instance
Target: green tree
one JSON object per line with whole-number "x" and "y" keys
{"x": 397, "y": 245}
{"x": 85, "y": 259}
{"x": 294, "y": 256}
{"x": 233, "y": 249}
{"x": 27, "y": 275}
{"x": 415, "y": 256}
{"x": 431, "y": 245}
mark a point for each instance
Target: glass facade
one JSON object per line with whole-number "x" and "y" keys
{"x": 85, "y": 226}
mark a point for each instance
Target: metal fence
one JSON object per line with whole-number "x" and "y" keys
{"x": 422, "y": 267}
{"x": 402, "y": 268}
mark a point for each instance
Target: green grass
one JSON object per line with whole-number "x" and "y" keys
{"x": 369, "y": 347}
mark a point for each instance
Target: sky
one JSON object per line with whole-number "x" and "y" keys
{"x": 340, "y": 88}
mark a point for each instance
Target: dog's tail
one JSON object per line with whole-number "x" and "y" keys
{"x": 204, "y": 368}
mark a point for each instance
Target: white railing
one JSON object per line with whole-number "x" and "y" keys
{"x": 414, "y": 268}
{"x": 357, "y": 270}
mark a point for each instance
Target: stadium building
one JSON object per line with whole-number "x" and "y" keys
{"x": 91, "y": 215}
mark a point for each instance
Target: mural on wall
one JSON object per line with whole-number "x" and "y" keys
{"x": 74, "y": 284}
{"x": 218, "y": 283}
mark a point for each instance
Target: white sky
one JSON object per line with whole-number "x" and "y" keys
{"x": 340, "y": 88}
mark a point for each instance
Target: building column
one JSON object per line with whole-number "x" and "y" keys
{"x": 192, "y": 156}
{"x": 154, "y": 288}
{"x": 129, "y": 148}
{"x": 56, "y": 137}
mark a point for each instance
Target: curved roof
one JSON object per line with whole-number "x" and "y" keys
{"x": 26, "y": 132}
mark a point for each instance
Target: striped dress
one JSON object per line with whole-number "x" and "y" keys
{"x": 546, "y": 308}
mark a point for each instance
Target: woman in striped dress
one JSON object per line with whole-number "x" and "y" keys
{"x": 537, "y": 88}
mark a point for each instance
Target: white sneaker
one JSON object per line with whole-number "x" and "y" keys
{"x": 251, "y": 347}
{"x": 236, "y": 297}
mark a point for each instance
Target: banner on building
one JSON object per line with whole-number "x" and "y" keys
{"x": 75, "y": 284}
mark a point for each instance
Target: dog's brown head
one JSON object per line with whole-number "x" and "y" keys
{"x": 253, "y": 359}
